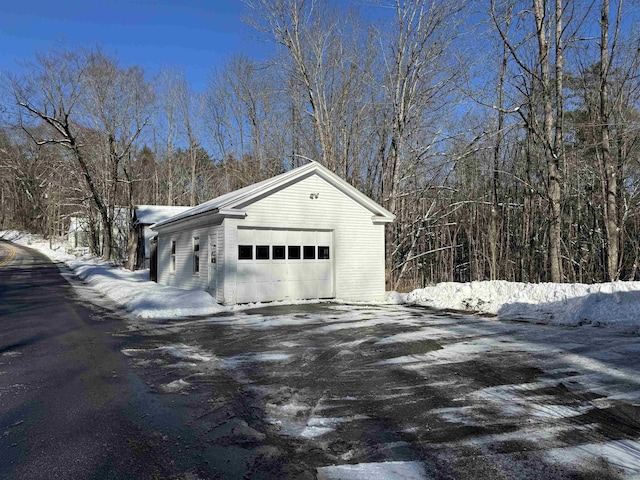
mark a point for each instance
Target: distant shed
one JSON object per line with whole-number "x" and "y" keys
{"x": 303, "y": 234}
{"x": 143, "y": 217}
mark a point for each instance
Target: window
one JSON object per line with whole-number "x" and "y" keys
{"x": 309, "y": 252}
{"x": 277, "y": 252}
{"x": 213, "y": 260}
{"x": 245, "y": 252}
{"x": 196, "y": 255}
{"x": 294, "y": 252}
{"x": 172, "y": 267}
{"x": 323, "y": 253}
{"x": 262, "y": 252}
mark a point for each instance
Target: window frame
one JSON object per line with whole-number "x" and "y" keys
{"x": 213, "y": 254}
{"x": 196, "y": 255}
{"x": 172, "y": 256}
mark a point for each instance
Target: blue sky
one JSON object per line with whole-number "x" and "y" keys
{"x": 191, "y": 34}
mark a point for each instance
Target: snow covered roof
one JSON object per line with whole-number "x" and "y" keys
{"x": 230, "y": 203}
{"x": 150, "y": 214}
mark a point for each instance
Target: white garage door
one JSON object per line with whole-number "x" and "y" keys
{"x": 284, "y": 264}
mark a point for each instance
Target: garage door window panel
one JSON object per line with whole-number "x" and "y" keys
{"x": 309, "y": 252}
{"x": 278, "y": 252}
{"x": 294, "y": 252}
{"x": 245, "y": 252}
{"x": 262, "y": 252}
{"x": 323, "y": 253}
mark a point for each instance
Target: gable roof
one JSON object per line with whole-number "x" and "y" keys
{"x": 230, "y": 204}
{"x": 150, "y": 214}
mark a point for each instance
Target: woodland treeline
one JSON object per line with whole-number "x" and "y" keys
{"x": 503, "y": 134}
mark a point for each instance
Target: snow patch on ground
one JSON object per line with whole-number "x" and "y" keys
{"x": 462, "y": 351}
{"x": 234, "y": 362}
{"x": 513, "y": 401}
{"x": 624, "y": 454}
{"x": 367, "y": 471}
{"x": 603, "y": 304}
{"x": 177, "y": 386}
{"x": 428, "y": 333}
{"x": 187, "y": 352}
{"x": 357, "y": 324}
{"x": 318, "y": 426}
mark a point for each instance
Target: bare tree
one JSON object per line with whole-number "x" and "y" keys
{"x": 542, "y": 102}
{"x": 82, "y": 102}
{"x": 168, "y": 89}
{"x": 318, "y": 61}
{"x": 418, "y": 75}
{"x": 118, "y": 102}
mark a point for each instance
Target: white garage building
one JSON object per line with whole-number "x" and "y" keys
{"x": 303, "y": 234}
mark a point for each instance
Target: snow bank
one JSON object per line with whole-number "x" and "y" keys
{"x": 612, "y": 304}
{"x": 131, "y": 290}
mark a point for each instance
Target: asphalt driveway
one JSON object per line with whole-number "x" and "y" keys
{"x": 350, "y": 391}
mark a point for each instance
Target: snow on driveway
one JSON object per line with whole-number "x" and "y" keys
{"x": 405, "y": 392}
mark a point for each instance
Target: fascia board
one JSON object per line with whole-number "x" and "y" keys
{"x": 232, "y": 213}
{"x": 356, "y": 194}
{"x": 272, "y": 186}
{"x": 314, "y": 167}
{"x": 378, "y": 219}
{"x": 200, "y": 218}
{"x": 229, "y": 207}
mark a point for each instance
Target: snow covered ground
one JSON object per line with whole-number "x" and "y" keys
{"x": 614, "y": 304}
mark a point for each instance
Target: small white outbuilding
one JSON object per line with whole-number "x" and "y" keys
{"x": 143, "y": 217}
{"x": 303, "y": 234}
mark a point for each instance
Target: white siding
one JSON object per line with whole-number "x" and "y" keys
{"x": 358, "y": 244}
{"x": 184, "y": 277}
{"x": 357, "y": 249}
{"x": 229, "y": 228}
{"x": 217, "y": 233}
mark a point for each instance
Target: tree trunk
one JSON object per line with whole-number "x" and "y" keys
{"x": 609, "y": 169}
{"x": 496, "y": 215}
{"x": 551, "y": 157}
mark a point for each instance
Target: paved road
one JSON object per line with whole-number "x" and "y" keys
{"x": 6, "y": 254}
{"x": 71, "y": 405}
{"x": 304, "y": 391}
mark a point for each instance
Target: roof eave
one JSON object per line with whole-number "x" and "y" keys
{"x": 232, "y": 213}
{"x": 258, "y": 192}
{"x": 223, "y": 212}
{"x": 381, "y": 214}
{"x": 379, "y": 219}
